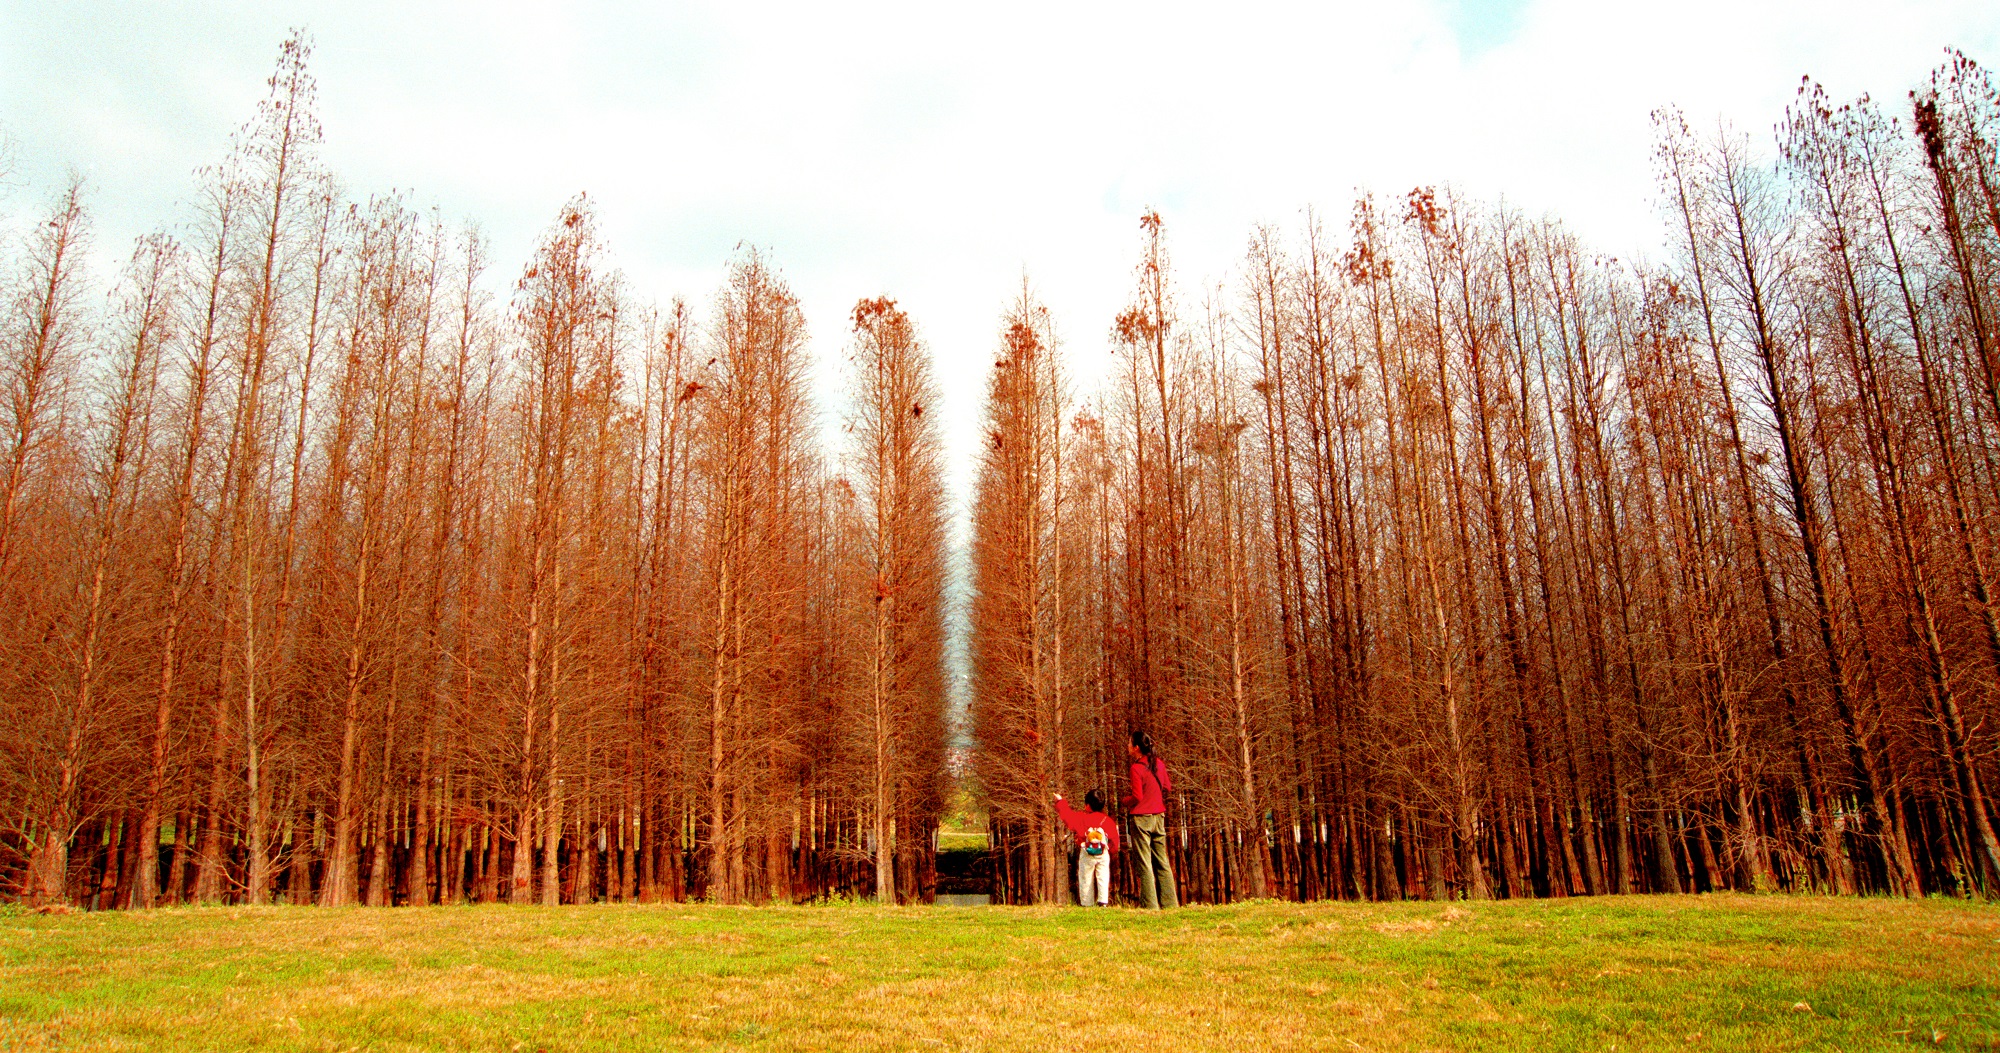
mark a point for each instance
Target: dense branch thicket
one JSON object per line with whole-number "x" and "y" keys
{"x": 1456, "y": 560}
{"x": 329, "y": 579}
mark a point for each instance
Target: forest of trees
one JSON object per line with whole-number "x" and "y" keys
{"x": 1452, "y": 559}
{"x": 329, "y": 579}
{"x": 1445, "y": 558}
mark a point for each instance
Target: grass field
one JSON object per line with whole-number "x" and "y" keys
{"x": 1716, "y": 972}
{"x": 950, "y": 840}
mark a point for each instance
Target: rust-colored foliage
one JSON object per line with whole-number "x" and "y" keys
{"x": 1459, "y": 561}
{"x": 349, "y": 585}
{"x": 1441, "y": 558}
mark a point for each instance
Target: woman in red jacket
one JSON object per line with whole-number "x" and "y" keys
{"x": 1147, "y": 804}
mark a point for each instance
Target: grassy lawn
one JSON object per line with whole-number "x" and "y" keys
{"x": 1716, "y": 972}
{"x": 953, "y": 840}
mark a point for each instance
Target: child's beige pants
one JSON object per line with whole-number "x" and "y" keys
{"x": 1093, "y": 872}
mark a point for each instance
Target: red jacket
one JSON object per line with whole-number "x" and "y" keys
{"x": 1149, "y": 795}
{"x": 1081, "y": 823}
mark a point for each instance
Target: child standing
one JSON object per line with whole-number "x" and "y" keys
{"x": 1096, "y": 842}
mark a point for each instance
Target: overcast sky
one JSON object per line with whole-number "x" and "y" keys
{"x": 937, "y": 152}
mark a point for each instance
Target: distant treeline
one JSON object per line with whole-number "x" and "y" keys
{"x": 1453, "y": 559}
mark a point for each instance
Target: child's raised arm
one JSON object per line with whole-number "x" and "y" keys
{"x": 1069, "y": 816}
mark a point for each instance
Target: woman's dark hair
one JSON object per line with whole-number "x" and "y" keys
{"x": 1094, "y": 801}
{"x": 1144, "y": 744}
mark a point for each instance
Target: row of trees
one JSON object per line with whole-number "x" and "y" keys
{"x": 1445, "y": 559}
{"x": 1453, "y": 559}
{"x": 325, "y": 577}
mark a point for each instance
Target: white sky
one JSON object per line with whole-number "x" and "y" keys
{"x": 937, "y": 152}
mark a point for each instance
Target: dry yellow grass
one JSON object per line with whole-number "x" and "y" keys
{"x": 1717, "y": 972}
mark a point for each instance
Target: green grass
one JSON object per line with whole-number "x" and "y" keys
{"x": 952, "y": 840}
{"x": 1716, "y": 972}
